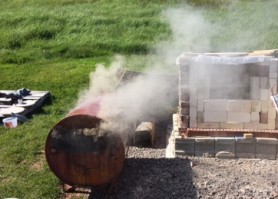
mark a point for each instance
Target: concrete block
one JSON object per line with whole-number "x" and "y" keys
{"x": 238, "y": 117}
{"x": 264, "y": 82}
{"x": 225, "y": 144}
{"x": 256, "y": 105}
{"x": 239, "y": 105}
{"x": 266, "y": 148}
{"x": 255, "y": 117}
{"x": 204, "y": 146}
{"x": 264, "y": 94}
{"x": 213, "y": 116}
{"x": 209, "y": 125}
{"x": 215, "y": 105}
{"x": 185, "y": 146}
{"x": 254, "y": 88}
{"x": 231, "y": 125}
{"x": 245, "y": 148}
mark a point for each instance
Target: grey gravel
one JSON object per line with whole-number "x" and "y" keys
{"x": 149, "y": 175}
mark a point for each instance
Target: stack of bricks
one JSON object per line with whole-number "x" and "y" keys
{"x": 198, "y": 109}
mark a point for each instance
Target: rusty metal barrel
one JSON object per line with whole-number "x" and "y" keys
{"x": 80, "y": 153}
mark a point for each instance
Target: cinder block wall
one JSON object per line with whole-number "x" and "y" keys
{"x": 238, "y": 99}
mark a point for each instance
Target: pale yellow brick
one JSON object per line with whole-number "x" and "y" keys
{"x": 193, "y": 123}
{"x": 200, "y": 117}
{"x": 231, "y": 125}
{"x": 255, "y": 117}
{"x": 239, "y": 105}
{"x": 271, "y": 124}
{"x": 272, "y": 113}
{"x": 209, "y": 125}
{"x": 264, "y": 94}
{"x": 256, "y": 105}
{"x": 265, "y": 104}
{"x": 264, "y": 82}
{"x": 261, "y": 126}
{"x": 249, "y": 125}
{"x": 215, "y": 105}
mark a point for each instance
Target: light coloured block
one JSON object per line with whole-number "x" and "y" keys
{"x": 231, "y": 125}
{"x": 254, "y": 88}
{"x": 193, "y": 123}
{"x": 256, "y": 105}
{"x": 193, "y": 101}
{"x": 261, "y": 126}
{"x": 273, "y": 75}
{"x": 271, "y": 124}
{"x": 203, "y": 93}
{"x": 255, "y": 126}
{"x": 264, "y": 82}
{"x": 255, "y": 117}
{"x": 264, "y": 94}
{"x": 193, "y": 112}
{"x": 200, "y": 105}
{"x": 273, "y": 68}
{"x": 209, "y": 125}
{"x": 238, "y": 117}
{"x": 239, "y": 105}
{"x": 200, "y": 116}
{"x": 265, "y": 105}
{"x": 271, "y": 113}
{"x": 215, "y": 116}
{"x": 249, "y": 125}
{"x": 273, "y": 86}
{"x": 215, "y": 105}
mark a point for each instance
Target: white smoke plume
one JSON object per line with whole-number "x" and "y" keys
{"x": 151, "y": 95}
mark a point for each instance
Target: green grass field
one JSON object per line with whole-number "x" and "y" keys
{"x": 54, "y": 44}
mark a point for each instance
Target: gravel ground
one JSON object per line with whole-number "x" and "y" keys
{"x": 149, "y": 175}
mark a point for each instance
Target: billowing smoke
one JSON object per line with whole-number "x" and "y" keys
{"x": 151, "y": 94}
{"x": 142, "y": 98}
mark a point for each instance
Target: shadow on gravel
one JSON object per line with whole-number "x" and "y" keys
{"x": 156, "y": 179}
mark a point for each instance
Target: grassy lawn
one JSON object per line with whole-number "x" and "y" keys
{"x": 54, "y": 44}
